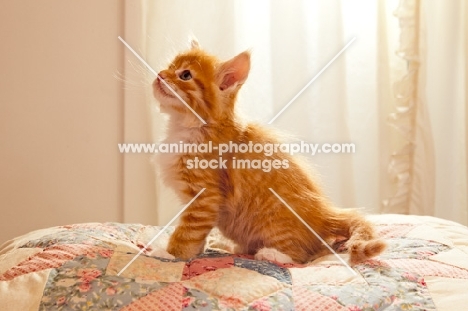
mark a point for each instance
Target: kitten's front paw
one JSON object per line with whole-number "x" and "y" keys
{"x": 184, "y": 251}
{"x": 272, "y": 254}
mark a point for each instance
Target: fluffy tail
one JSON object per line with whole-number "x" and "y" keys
{"x": 362, "y": 242}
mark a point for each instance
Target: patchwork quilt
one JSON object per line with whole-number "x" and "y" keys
{"x": 86, "y": 267}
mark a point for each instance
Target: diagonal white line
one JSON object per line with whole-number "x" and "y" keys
{"x": 160, "y": 232}
{"x": 160, "y": 79}
{"x": 313, "y": 231}
{"x": 313, "y": 79}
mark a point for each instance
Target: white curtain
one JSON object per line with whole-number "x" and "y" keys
{"x": 446, "y": 92}
{"x": 353, "y": 101}
{"x": 412, "y": 164}
{"x": 430, "y": 166}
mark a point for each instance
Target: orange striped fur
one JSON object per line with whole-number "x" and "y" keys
{"x": 238, "y": 201}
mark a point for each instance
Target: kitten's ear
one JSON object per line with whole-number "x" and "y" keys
{"x": 234, "y": 71}
{"x": 194, "y": 43}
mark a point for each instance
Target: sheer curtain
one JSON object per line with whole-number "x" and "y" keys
{"x": 351, "y": 102}
{"x": 412, "y": 164}
{"x": 430, "y": 167}
{"x": 446, "y": 90}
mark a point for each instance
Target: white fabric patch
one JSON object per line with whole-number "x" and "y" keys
{"x": 23, "y": 292}
{"x": 428, "y": 233}
{"x": 448, "y": 294}
{"x": 453, "y": 257}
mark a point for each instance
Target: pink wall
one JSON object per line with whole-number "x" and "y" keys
{"x": 61, "y": 114}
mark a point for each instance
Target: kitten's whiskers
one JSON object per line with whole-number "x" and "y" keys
{"x": 160, "y": 79}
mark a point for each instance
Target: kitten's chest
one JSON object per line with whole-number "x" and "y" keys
{"x": 187, "y": 148}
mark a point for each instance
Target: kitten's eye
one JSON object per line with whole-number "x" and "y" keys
{"x": 185, "y": 75}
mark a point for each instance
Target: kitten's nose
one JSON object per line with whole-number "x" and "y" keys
{"x": 162, "y": 75}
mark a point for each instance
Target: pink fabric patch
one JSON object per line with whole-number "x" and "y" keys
{"x": 305, "y": 299}
{"x": 393, "y": 231}
{"x": 51, "y": 257}
{"x": 167, "y": 298}
{"x": 203, "y": 265}
{"x": 261, "y": 305}
{"x": 428, "y": 268}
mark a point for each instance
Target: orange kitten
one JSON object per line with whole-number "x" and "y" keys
{"x": 238, "y": 201}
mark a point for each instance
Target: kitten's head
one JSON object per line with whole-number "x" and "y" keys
{"x": 206, "y": 84}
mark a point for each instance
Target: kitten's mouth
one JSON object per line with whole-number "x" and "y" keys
{"x": 162, "y": 90}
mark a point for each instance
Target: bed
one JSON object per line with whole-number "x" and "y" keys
{"x": 76, "y": 267}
